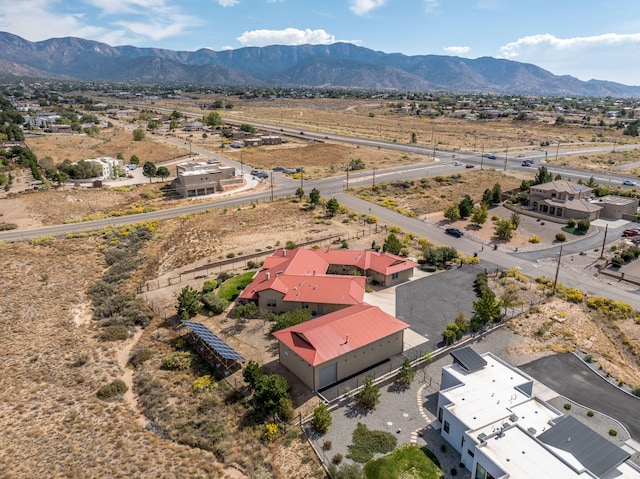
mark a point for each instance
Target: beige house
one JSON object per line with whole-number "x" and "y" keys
{"x": 326, "y": 350}
{"x": 203, "y": 178}
{"x": 563, "y": 199}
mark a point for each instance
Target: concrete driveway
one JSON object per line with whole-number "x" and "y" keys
{"x": 569, "y": 376}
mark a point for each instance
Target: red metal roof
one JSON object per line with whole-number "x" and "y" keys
{"x": 384, "y": 263}
{"x": 332, "y": 335}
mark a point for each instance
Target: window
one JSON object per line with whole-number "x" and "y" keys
{"x": 470, "y": 452}
{"x": 271, "y": 303}
{"x": 394, "y": 276}
{"x": 446, "y": 427}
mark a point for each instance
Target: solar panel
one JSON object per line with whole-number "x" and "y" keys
{"x": 222, "y": 348}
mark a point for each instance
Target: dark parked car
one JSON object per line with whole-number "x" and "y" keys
{"x": 490, "y": 156}
{"x": 454, "y": 232}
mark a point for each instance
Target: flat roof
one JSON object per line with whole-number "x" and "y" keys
{"x": 523, "y": 457}
{"x": 486, "y": 395}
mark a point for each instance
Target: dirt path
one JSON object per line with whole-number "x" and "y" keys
{"x": 122, "y": 358}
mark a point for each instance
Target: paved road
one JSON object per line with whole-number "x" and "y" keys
{"x": 569, "y": 376}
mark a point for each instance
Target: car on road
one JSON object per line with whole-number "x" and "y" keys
{"x": 454, "y": 232}
{"x": 631, "y": 232}
{"x": 490, "y": 156}
{"x": 527, "y": 163}
{"x": 629, "y": 183}
{"x": 457, "y": 163}
{"x": 520, "y": 155}
{"x": 469, "y": 165}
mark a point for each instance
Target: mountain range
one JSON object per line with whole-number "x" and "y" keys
{"x": 338, "y": 65}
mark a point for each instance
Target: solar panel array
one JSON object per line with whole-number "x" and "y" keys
{"x": 222, "y": 348}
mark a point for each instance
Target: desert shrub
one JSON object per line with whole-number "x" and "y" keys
{"x": 366, "y": 443}
{"x": 254, "y": 264}
{"x": 79, "y": 360}
{"x": 627, "y": 255}
{"x": 590, "y": 413}
{"x": 613, "y": 432}
{"x": 636, "y": 391}
{"x": 178, "y": 361}
{"x": 271, "y": 431}
{"x": 231, "y": 255}
{"x": 111, "y": 390}
{"x": 588, "y": 358}
{"x": 571, "y": 223}
{"x": 115, "y": 332}
{"x": 617, "y": 261}
{"x": 321, "y": 418}
{"x": 222, "y": 277}
{"x": 7, "y": 226}
{"x": 337, "y": 458}
{"x": 202, "y": 384}
{"x": 534, "y": 239}
{"x": 567, "y": 406}
{"x": 290, "y": 245}
{"x": 290, "y": 318}
{"x": 213, "y": 303}
{"x": 560, "y": 237}
{"x": 139, "y": 356}
{"x": 584, "y": 225}
{"x": 246, "y": 310}
{"x": 326, "y": 445}
{"x": 209, "y": 286}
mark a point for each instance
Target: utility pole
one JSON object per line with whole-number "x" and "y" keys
{"x": 347, "y": 177}
{"x": 374, "y": 176}
{"x": 302, "y": 180}
{"x": 555, "y": 280}
{"x": 482, "y": 157}
{"x": 271, "y": 187}
{"x": 241, "y": 164}
{"x": 557, "y": 149}
{"x": 433, "y": 141}
{"x": 604, "y": 241}
{"x": 506, "y": 151}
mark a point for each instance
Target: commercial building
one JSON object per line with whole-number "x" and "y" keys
{"x": 204, "y": 178}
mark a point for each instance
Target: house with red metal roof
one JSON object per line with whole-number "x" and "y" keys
{"x": 335, "y": 346}
{"x": 322, "y": 281}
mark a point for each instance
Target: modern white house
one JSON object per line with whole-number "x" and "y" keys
{"x": 111, "y": 167}
{"x": 487, "y": 412}
{"x": 204, "y": 178}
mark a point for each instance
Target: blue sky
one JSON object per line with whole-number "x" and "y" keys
{"x": 589, "y": 39}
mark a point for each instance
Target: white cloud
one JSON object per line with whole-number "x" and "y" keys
{"x": 43, "y": 21}
{"x": 431, "y": 6}
{"x": 610, "y": 56}
{"x": 227, "y": 47}
{"x": 458, "y": 51}
{"x": 227, "y": 3}
{"x": 288, "y": 36}
{"x": 362, "y": 7}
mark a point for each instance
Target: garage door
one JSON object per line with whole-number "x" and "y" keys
{"x": 328, "y": 375}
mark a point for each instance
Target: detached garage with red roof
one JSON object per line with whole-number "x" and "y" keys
{"x": 330, "y": 348}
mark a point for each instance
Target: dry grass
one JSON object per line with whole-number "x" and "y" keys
{"x": 110, "y": 142}
{"x": 53, "y": 424}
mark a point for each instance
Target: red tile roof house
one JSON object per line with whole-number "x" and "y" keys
{"x": 325, "y": 350}
{"x": 321, "y": 280}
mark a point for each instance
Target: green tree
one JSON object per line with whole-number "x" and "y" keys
{"x": 543, "y": 176}
{"x": 149, "y": 170}
{"x": 487, "y": 197}
{"x": 214, "y": 303}
{"x": 485, "y": 310}
{"x": 300, "y": 193}
{"x": 452, "y": 212}
{"x": 406, "y": 374}
{"x": 188, "y": 303}
{"x": 173, "y": 124}
{"x": 162, "y": 172}
{"x": 356, "y": 164}
{"x": 290, "y": 318}
{"x": 392, "y": 244}
{"x": 270, "y": 391}
{"x": 496, "y": 194}
{"x": 479, "y": 215}
{"x": 461, "y": 323}
{"x": 314, "y": 197}
{"x": 369, "y": 396}
{"x": 321, "y": 420}
{"x": 139, "y": 134}
{"x": 592, "y": 182}
{"x": 252, "y": 373}
{"x": 247, "y": 128}
{"x": 465, "y": 206}
{"x": 515, "y": 220}
{"x": 509, "y": 298}
{"x": 176, "y": 115}
{"x": 332, "y": 207}
{"x": 504, "y": 229}
{"x": 134, "y": 160}
{"x": 213, "y": 119}
{"x": 414, "y": 137}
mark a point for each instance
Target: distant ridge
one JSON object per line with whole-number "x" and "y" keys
{"x": 339, "y": 65}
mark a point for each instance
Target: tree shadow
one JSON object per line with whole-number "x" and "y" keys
{"x": 355, "y": 411}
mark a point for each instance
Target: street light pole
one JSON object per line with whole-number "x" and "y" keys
{"x": 347, "y": 177}
{"x": 557, "y": 149}
{"x": 506, "y": 151}
{"x": 374, "y": 176}
{"x": 482, "y": 157}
